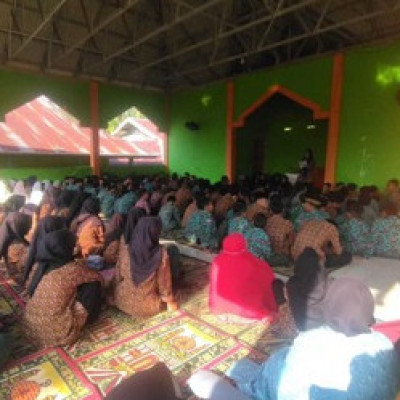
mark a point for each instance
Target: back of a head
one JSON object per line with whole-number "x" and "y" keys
{"x": 260, "y": 220}
{"x": 276, "y": 204}
{"x": 354, "y": 208}
{"x": 155, "y": 383}
{"x": 234, "y": 243}
{"x": 202, "y": 202}
{"x": 349, "y": 306}
{"x": 239, "y": 206}
{"x": 171, "y": 199}
{"x": 389, "y": 207}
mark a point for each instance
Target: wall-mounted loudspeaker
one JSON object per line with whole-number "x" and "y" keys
{"x": 192, "y": 126}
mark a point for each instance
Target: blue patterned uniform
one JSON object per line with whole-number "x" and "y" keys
{"x": 258, "y": 243}
{"x": 366, "y": 368}
{"x": 305, "y": 216}
{"x": 385, "y": 234}
{"x": 107, "y": 205}
{"x": 124, "y": 203}
{"x": 356, "y": 237}
{"x": 239, "y": 225}
{"x": 201, "y": 227}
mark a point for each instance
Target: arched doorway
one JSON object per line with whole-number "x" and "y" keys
{"x": 312, "y": 119}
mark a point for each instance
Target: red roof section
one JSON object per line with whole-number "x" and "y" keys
{"x": 42, "y": 127}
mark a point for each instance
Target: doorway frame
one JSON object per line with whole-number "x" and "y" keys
{"x": 332, "y": 115}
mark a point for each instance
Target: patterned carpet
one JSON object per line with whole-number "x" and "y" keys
{"x": 117, "y": 346}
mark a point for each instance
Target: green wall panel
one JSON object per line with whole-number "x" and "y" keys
{"x": 310, "y": 79}
{"x": 199, "y": 152}
{"x": 113, "y": 100}
{"x": 18, "y": 88}
{"x": 370, "y": 119}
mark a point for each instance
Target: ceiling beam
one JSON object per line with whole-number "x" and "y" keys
{"x": 163, "y": 29}
{"x": 284, "y": 42}
{"x": 223, "y": 35}
{"x": 107, "y": 21}
{"x": 48, "y": 17}
{"x": 59, "y": 42}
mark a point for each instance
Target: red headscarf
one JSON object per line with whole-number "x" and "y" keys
{"x": 241, "y": 283}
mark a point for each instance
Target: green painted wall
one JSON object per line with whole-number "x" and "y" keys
{"x": 113, "y": 100}
{"x": 44, "y": 167}
{"x": 369, "y": 145}
{"x": 282, "y": 149}
{"x": 203, "y": 152}
{"x": 199, "y": 152}
{"x": 18, "y": 88}
{"x": 309, "y": 78}
{"x": 57, "y": 167}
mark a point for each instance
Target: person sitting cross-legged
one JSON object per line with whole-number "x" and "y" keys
{"x": 201, "y": 228}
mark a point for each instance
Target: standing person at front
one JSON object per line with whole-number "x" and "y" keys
{"x": 143, "y": 279}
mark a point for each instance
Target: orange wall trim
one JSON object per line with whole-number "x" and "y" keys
{"x": 94, "y": 123}
{"x": 334, "y": 121}
{"x": 318, "y": 112}
{"x": 167, "y": 113}
{"x": 230, "y": 134}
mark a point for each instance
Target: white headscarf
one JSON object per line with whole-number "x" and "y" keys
{"x": 4, "y": 192}
{"x": 19, "y": 188}
{"x": 37, "y": 194}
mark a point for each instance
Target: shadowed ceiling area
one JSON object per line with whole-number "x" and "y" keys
{"x": 170, "y": 44}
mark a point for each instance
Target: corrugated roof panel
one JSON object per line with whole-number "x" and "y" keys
{"x": 42, "y": 127}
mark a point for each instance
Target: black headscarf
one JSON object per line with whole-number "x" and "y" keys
{"x": 14, "y": 203}
{"x": 306, "y": 290}
{"x": 76, "y": 206}
{"x": 152, "y": 384}
{"x": 144, "y": 249}
{"x": 14, "y": 227}
{"x": 53, "y": 251}
{"x": 115, "y": 228}
{"x": 46, "y": 225}
{"x": 91, "y": 206}
{"x": 349, "y": 307}
{"x": 29, "y": 209}
{"x": 64, "y": 199}
{"x": 133, "y": 218}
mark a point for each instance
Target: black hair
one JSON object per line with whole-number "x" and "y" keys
{"x": 239, "y": 206}
{"x": 276, "y": 204}
{"x": 354, "y": 207}
{"x": 171, "y": 198}
{"x": 202, "y": 202}
{"x": 260, "y": 220}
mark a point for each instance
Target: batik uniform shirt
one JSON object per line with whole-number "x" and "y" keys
{"x": 201, "y": 228}
{"x": 239, "y": 225}
{"x": 258, "y": 243}
{"x": 317, "y": 235}
{"x": 356, "y": 237}
{"x": 340, "y": 220}
{"x": 107, "y": 204}
{"x": 124, "y": 203}
{"x": 280, "y": 232}
{"x": 304, "y": 216}
{"x": 170, "y": 217}
{"x": 385, "y": 234}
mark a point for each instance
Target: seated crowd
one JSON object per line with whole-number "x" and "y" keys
{"x": 78, "y": 245}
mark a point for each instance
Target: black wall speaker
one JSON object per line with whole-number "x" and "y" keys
{"x": 192, "y": 126}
